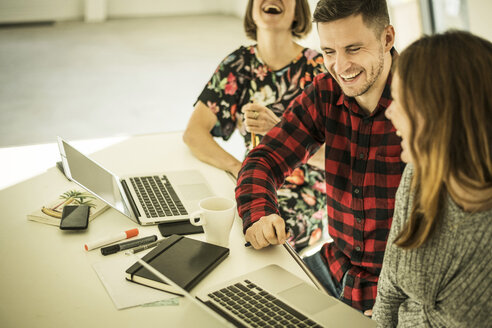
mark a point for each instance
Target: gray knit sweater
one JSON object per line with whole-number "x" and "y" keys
{"x": 447, "y": 282}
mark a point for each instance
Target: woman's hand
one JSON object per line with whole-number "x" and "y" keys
{"x": 259, "y": 119}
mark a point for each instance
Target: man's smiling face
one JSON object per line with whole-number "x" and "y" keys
{"x": 352, "y": 53}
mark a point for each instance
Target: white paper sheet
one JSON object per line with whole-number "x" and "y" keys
{"x": 111, "y": 272}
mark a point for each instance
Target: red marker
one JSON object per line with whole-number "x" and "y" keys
{"x": 111, "y": 239}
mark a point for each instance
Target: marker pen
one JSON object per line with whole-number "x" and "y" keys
{"x": 144, "y": 247}
{"x": 127, "y": 244}
{"x": 111, "y": 239}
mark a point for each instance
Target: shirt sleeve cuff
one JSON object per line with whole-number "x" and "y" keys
{"x": 251, "y": 217}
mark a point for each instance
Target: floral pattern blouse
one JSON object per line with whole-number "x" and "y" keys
{"x": 242, "y": 78}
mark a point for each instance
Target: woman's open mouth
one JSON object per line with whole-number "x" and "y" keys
{"x": 272, "y": 9}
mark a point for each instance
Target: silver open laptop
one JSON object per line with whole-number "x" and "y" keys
{"x": 147, "y": 198}
{"x": 272, "y": 297}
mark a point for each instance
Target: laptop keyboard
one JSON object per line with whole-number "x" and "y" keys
{"x": 258, "y": 308}
{"x": 157, "y": 196}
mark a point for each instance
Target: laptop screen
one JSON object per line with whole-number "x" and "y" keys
{"x": 92, "y": 176}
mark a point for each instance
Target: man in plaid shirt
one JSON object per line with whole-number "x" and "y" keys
{"x": 345, "y": 111}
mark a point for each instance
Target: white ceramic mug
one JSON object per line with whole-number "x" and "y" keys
{"x": 216, "y": 215}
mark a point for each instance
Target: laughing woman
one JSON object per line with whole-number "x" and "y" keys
{"x": 437, "y": 269}
{"x": 249, "y": 91}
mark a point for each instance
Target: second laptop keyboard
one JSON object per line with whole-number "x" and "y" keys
{"x": 258, "y": 308}
{"x": 157, "y": 196}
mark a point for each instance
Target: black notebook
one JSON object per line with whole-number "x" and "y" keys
{"x": 184, "y": 260}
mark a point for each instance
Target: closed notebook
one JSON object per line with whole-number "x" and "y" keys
{"x": 184, "y": 260}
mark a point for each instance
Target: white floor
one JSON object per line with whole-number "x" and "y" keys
{"x": 121, "y": 77}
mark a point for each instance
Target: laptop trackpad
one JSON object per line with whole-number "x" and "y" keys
{"x": 194, "y": 191}
{"x": 307, "y": 298}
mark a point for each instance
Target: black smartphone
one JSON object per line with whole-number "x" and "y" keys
{"x": 178, "y": 228}
{"x": 75, "y": 217}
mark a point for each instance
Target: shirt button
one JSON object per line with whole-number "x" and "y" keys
{"x": 361, "y": 155}
{"x": 356, "y": 190}
{"x": 357, "y": 248}
{"x": 359, "y": 220}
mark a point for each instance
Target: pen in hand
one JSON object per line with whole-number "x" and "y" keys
{"x": 248, "y": 244}
{"x": 254, "y": 140}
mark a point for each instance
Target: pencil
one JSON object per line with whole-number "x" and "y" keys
{"x": 253, "y": 140}
{"x": 253, "y": 135}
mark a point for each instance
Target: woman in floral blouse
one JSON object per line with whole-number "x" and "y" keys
{"x": 249, "y": 91}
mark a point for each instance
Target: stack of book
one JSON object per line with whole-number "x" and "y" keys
{"x": 51, "y": 213}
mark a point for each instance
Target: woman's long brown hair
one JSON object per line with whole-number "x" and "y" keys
{"x": 446, "y": 91}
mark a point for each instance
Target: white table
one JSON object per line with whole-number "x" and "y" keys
{"x": 47, "y": 279}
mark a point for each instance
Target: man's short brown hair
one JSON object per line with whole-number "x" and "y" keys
{"x": 374, "y": 12}
{"x": 300, "y": 27}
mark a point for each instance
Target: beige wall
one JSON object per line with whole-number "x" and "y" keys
{"x": 15, "y": 11}
{"x": 480, "y": 20}
{"x": 405, "y": 18}
{"x": 404, "y": 13}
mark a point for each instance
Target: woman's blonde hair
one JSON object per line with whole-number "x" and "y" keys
{"x": 300, "y": 27}
{"x": 446, "y": 91}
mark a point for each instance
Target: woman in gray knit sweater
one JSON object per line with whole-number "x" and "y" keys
{"x": 437, "y": 269}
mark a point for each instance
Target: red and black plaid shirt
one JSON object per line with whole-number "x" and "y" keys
{"x": 363, "y": 170}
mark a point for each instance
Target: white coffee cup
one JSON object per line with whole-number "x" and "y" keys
{"x": 216, "y": 215}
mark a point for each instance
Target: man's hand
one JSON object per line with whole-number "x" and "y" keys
{"x": 235, "y": 169}
{"x": 368, "y": 313}
{"x": 259, "y": 119}
{"x": 269, "y": 230}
